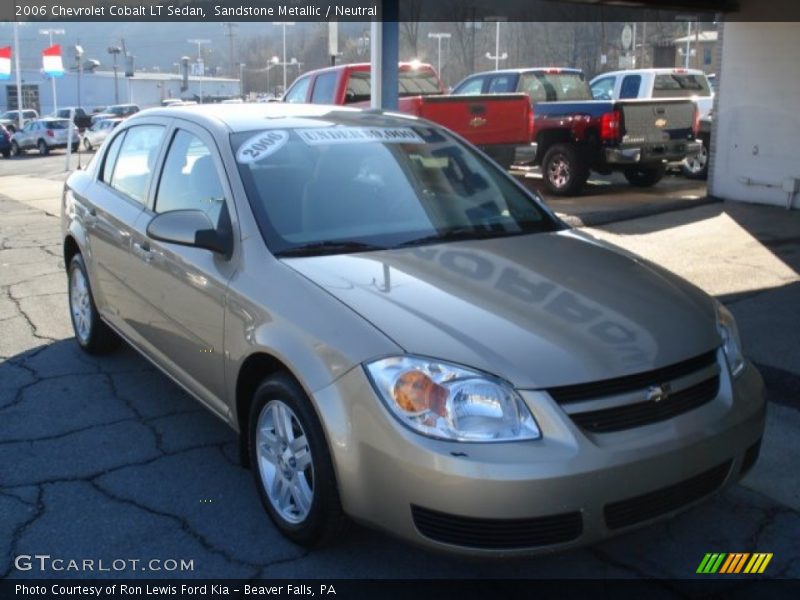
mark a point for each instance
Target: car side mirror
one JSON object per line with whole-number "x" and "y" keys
{"x": 190, "y": 228}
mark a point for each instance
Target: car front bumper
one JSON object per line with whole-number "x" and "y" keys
{"x": 570, "y": 488}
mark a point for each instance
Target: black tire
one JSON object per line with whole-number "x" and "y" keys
{"x": 565, "y": 170}
{"x": 99, "y": 338}
{"x": 75, "y": 147}
{"x": 324, "y": 519}
{"x": 87, "y": 144}
{"x": 644, "y": 176}
{"x": 6, "y": 153}
{"x": 15, "y": 149}
{"x": 697, "y": 166}
{"x": 44, "y": 149}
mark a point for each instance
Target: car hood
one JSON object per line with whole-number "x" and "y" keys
{"x": 538, "y": 310}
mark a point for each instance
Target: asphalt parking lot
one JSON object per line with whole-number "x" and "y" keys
{"x": 107, "y": 459}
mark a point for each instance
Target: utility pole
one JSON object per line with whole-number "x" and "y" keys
{"x": 231, "y": 34}
{"x": 50, "y": 32}
{"x": 439, "y": 36}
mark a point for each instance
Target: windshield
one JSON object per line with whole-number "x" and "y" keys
{"x": 553, "y": 87}
{"x": 341, "y": 189}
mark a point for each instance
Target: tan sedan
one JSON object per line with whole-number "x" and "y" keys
{"x": 401, "y": 333}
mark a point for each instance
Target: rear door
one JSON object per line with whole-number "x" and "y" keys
{"x": 118, "y": 197}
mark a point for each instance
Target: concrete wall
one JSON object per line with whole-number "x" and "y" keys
{"x": 757, "y": 122}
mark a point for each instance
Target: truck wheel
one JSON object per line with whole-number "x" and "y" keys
{"x": 644, "y": 176}
{"x": 564, "y": 169}
{"x": 696, "y": 167}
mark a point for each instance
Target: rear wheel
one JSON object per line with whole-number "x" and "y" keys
{"x": 6, "y": 153}
{"x": 696, "y": 167}
{"x": 15, "y": 149}
{"x": 644, "y": 176}
{"x": 87, "y": 144}
{"x": 92, "y": 334}
{"x": 565, "y": 170}
{"x": 291, "y": 463}
{"x": 44, "y": 149}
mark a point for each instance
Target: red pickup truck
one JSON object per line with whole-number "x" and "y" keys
{"x": 497, "y": 124}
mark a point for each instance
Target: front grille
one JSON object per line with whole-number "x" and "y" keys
{"x": 645, "y": 413}
{"x": 631, "y": 383}
{"x": 497, "y": 533}
{"x": 750, "y": 457}
{"x": 653, "y": 504}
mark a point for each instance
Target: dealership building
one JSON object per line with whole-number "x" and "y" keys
{"x": 95, "y": 89}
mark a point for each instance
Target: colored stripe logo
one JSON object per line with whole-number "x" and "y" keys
{"x": 734, "y": 563}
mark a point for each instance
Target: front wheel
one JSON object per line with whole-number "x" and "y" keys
{"x": 644, "y": 176}
{"x": 291, "y": 463}
{"x": 44, "y": 149}
{"x": 565, "y": 170}
{"x": 92, "y": 334}
{"x": 87, "y": 144}
{"x": 15, "y": 149}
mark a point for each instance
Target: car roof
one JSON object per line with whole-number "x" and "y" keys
{"x": 527, "y": 70}
{"x": 656, "y": 71}
{"x": 250, "y": 116}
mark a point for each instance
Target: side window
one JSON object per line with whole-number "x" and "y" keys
{"x": 111, "y": 158}
{"x": 630, "y": 86}
{"x": 324, "y": 88}
{"x": 471, "y": 86}
{"x": 298, "y": 92}
{"x": 189, "y": 180}
{"x": 135, "y": 161}
{"x": 603, "y": 89}
{"x": 501, "y": 84}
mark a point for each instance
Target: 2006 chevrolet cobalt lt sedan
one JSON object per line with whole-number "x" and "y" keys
{"x": 403, "y": 334}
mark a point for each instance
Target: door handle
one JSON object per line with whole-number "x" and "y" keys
{"x": 142, "y": 250}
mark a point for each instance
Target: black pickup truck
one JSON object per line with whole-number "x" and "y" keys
{"x": 573, "y": 134}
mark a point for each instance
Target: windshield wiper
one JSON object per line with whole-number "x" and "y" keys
{"x": 328, "y": 247}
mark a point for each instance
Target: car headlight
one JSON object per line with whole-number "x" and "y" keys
{"x": 731, "y": 343}
{"x": 449, "y": 402}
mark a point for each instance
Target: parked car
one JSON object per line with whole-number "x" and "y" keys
{"x": 43, "y": 135}
{"x": 5, "y": 142}
{"x": 662, "y": 83}
{"x": 97, "y": 133}
{"x": 10, "y": 118}
{"x": 120, "y": 111}
{"x": 401, "y": 332}
{"x": 81, "y": 119}
{"x": 572, "y": 134}
{"x": 497, "y": 125}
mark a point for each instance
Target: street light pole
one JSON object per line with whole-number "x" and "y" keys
{"x": 439, "y": 36}
{"x": 115, "y": 51}
{"x": 50, "y": 32}
{"x": 497, "y": 56}
{"x": 283, "y": 57}
{"x": 200, "y": 62}
{"x": 19, "y": 76}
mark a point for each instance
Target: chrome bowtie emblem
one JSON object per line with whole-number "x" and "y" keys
{"x": 658, "y": 393}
